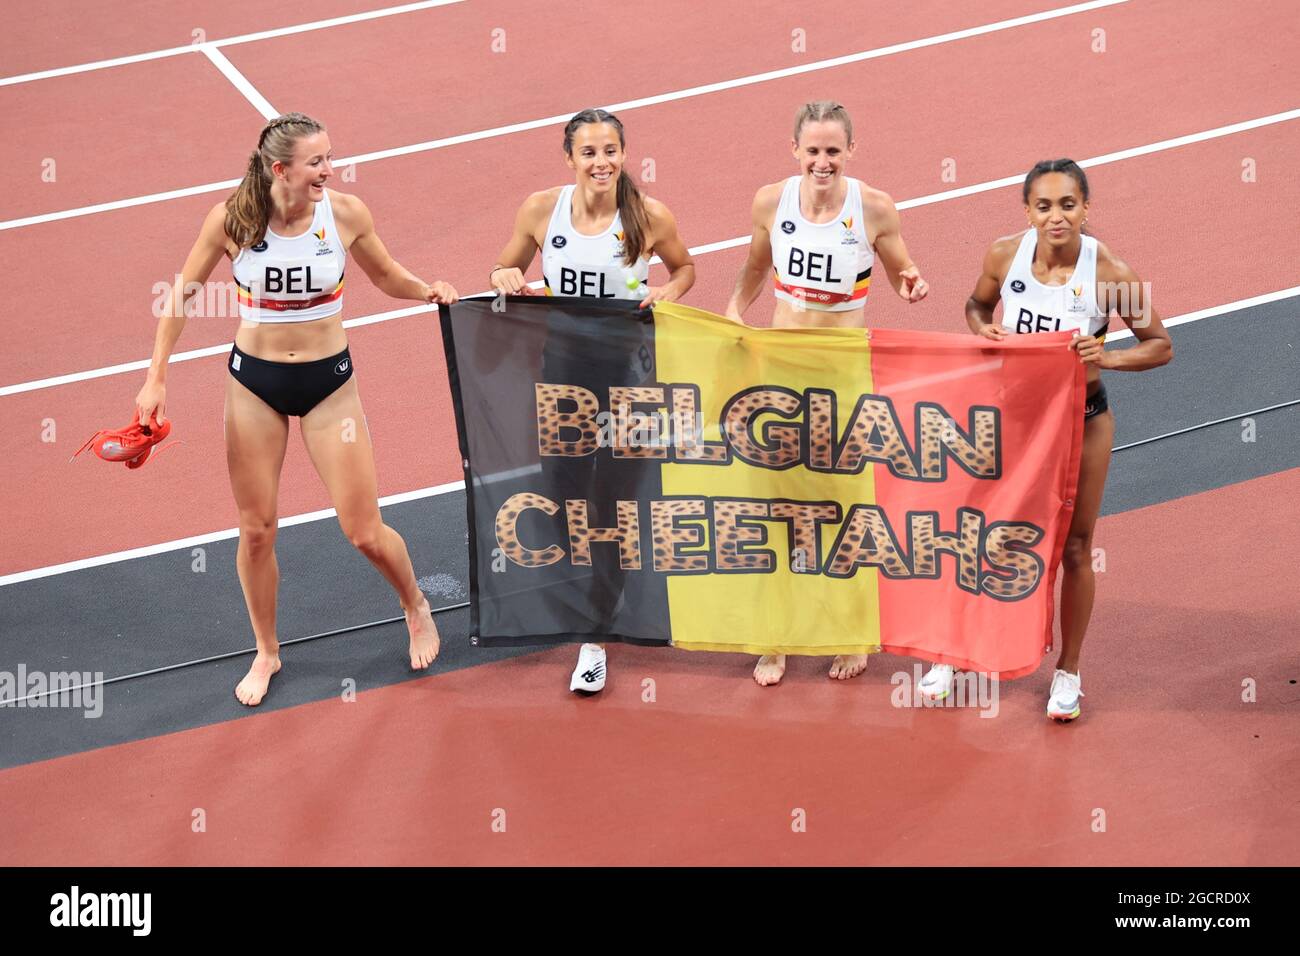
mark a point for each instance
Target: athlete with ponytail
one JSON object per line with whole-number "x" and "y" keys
{"x": 1056, "y": 277}
{"x": 818, "y": 235}
{"x": 596, "y": 236}
{"x": 288, "y": 236}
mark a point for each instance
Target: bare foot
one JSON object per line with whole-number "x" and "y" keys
{"x": 252, "y": 688}
{"x": 424, "y": 635}
{"x": 769, "y": 669}
{"x": 847, "y": 665}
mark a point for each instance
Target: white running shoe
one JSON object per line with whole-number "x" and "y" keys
{"x": 589, "y": 675}
{"x": 937, "y": 682}
{"x": 1063, "y": 702}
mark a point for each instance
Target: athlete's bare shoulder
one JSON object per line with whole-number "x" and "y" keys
{"x": 213, "y": 231}
{"x": 344, "y": 200}
{"x": 765, "y": 202}
{"x": 879, "y": 214}
{"x": 1110, "y": 267}
{"x": 352, "y": 215}
{"x": 769, "y": 195}
{"x": 654, "y": 208}
{"x": 1000, "y": 253}
{"x": 217, "y": 213}
{"x": 539, "y": 205}
{"x": 1004, "y": 247}
{"x": 345, "y": 205}
{"x": 535, "y": 213}
{"x": 658, "y": 213}
{"x": 873, "y": 199}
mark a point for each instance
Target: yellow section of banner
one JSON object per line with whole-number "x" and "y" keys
{"x": 771, "y": 612}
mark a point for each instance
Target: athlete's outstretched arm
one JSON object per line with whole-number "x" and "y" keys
{"x": 209, "y": 247}
{"x": 669, "y": 247}
{"x": 388, "y": 275}
{"x": 755, "y": 270}
{"x": 1122, "y": 293}
{"x": 902, "y": 272}
{"x": 507, "y": 273}
{"x": 988, "y": 290}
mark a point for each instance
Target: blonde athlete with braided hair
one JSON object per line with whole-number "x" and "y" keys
{"x": 819, "y": 234}
{"x": 288, "y": 237}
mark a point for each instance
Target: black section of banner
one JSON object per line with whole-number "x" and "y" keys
{"x": 497, "y": 351}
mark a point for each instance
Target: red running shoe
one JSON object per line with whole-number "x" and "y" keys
{"x": 131, "y": 444}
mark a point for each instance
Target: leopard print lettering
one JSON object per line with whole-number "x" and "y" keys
{"x": 508, "y": 540}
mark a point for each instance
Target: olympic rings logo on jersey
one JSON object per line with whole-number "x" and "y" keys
{"x": 816, "y": 295}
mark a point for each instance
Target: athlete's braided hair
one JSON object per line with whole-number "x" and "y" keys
{"x": 631, "y": 204}
{"x": 248, "y": 210}
{"x": 1067, "y": 166}
{"x": 823, "y": 111}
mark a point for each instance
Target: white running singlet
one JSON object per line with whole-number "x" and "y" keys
{"x": 296, "y": 279}
{"x": 1030, "y": 306}
{"x": 821, "y": 266}
{"x": 589, "y": 266}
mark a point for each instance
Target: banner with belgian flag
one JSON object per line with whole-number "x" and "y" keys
{"x": 666, "y": 476}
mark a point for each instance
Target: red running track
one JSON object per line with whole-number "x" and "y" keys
{"x": 408, "y": 403}
{"x": 1186, "y": 773}
{"x": 450, "y": 82}
{"x": 58, "y": 33}
{"x": 1181, "y": 190}
{"x": 447, "y": 212}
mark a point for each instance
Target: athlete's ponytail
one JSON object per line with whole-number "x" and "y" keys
{"x": 631, "y": 204}
{"x": 636, "y": 221}
{"x": 248, "y": 210}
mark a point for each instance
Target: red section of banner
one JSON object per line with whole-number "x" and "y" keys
{"x": 1040, "y": 434}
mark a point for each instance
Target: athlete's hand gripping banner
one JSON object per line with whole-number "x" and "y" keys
{"x": 667, "y": 476}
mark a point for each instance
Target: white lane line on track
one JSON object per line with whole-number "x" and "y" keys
{"x": 199, "y": 539}
{"x": 228, "y": 70}
{"x": 228, "y": 41}
{"x": 1215, "y": 310}
{"x": 561, "y": 118}
{"x": 905, "y": 204}
{"x": 181, "y": 543}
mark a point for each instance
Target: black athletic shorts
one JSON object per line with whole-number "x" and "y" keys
{"x": 291, "y": 388}
{"x": 1096, "y": 404}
